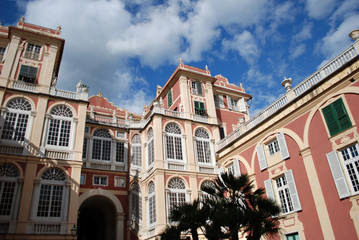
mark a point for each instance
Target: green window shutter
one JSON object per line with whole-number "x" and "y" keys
{"x": 196, "y": 105}
{"x": 343, "y": 118}
{"x": 169, "y": 98}
{"x": 336, "y": 117}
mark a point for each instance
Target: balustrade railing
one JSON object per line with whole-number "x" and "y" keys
{"x": 300, "y": 89}
{"x": 29, "y": 87}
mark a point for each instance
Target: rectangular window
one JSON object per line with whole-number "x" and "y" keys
{"x": 2, "y": 52}
{"x": 121, "y": 134}
{"x": 120, "y": 152}
{"x": 216, "y": 100}
{"x": 199, "y": 108}
{"x": 87, "y": 129}
{"x": 119, "y": 182}
{"x": 350, "y": 159}
{"x": 273, "y": 147}
{"x": 284, "y": 194}
{"x": 234, "y": 104}
{"x": 169, "y": 98}
{"x": 7, "y": 190}
{"x": 33, "y": 51}
{"x": 27, "y": 74}
{"x": 50, "y": 201}
{"x": 83, "y": 179}
{"x": 292, "y": 236}
{"x": 100, "y": 180}
{"x": 221, "y": 132}
{"x": 84, "y": 149}
{"x": 197, "y": 88}
{"x": 336, "y": 117}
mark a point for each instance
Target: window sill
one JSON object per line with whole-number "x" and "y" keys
{"x": 344, "y": 138}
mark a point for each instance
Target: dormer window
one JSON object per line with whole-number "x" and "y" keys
{"x": 33, "y": 51}
{"x": 197, "y": 88}
{"x": 27, "y": 74}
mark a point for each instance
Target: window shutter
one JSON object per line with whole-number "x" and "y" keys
{"x": 220, "y": 172}
{"x": 282, "y": 146}
{"x": 293, "y": 190}
{"x": 169, "y": 98}
{"x": 338, "y": 175}
{"x": 343, "y": 118}
{"x": 242, "y": 105}
{"x": 229, "y": 102}
{"x": 196, "y": 105}
{"x": 329, "y": 116}
{"x": 261, "y": 157}
{"x": 199, "y": 88}
{"x": 269, "y": 189}
{"x": 237, "y": 170}
{"x": 221, "y": 101}
{"x": 6, "y": 49}
{"x": 216, "y": 100}
{"x": 32, "y": 72}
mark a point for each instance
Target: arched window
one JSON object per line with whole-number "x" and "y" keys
{"x": 173, "y": 142}
{"x": 51, "y": 197}
{"x": 60, "y": 126}
{"x": 136, "y": 151}
{"x": 177, "y": 193}
{"x": 203, "y": 146}
{"x": 16, "y": 119}
{"x": 136, "y": 207}
{"x": 8, "y": 188}
{"x": 151, "y": 204}
{"x": 150, "y": 148}
{"x": 101, "y": 147}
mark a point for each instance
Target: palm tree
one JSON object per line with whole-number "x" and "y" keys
{"x": 243, "y": 208}
{"x": 171, "y": 233}
{"x": 188, "y": 216}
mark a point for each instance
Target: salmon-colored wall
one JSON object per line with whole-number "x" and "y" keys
{"x": 228, "y": 116}
{"x": 320, "y": 145}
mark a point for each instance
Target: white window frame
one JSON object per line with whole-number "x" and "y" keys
{"x": 83, "y": 179}
{"x": 345, "y": 174}
{"x": 34, "y": 53}
{"x": 69, "y": 121}
{"x": 150, "y": 151}
{"x": 273, "y": 147}
{"x": 151, "y": 205}
{"x": 176, "y": 194}
{"x": 101, "y": 140}
{"x": 174, "y": 142}
{"x": 14, "y": 109}
{"x": 136, "y": 151}
{"x": 273, "y": 192}
{"x": 202, "y": 139}
{"x": 119, "y": 181}
{"x": 101, "y": 179}
{"x": 136, "y": 207}
{"x": 197, "y": 88}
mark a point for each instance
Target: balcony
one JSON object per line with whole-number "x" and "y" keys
{"x": 24, "y": 86}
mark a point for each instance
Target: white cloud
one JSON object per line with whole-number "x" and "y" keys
{"x": 245, "y": 44}
{"x": 319, "y": 9}
{"x": 256, "y": 78}
{"x": 297, "y": 51}
{"x": 304, "y": 34}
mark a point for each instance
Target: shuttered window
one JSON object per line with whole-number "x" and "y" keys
{"x": 336, "y": 117}
{"x": 169, "y": 98}
{"x": 199, "y": 108}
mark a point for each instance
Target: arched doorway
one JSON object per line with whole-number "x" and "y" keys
{"x": 97, "y": 219}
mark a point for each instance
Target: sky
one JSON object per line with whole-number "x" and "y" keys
{"x": 125, "y": 48}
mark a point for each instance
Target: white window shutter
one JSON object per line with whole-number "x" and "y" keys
{"x": 220, "y": 171}
{"x": 261, "y": 157}
{"x": 242, "y": 105}
{"x": 221, "y": 101}
{"x": 237, "y": 169}
{"x": 269, "y": 189}
{"x": 293, "y": 190}
{"x": 338, "y": 175}
{"x": 229, "y": 102}
{"x": 6, "y": 49}
{"x": 282, "y": 146}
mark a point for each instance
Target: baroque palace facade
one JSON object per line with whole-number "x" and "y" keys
{"x": 74, "y": 166}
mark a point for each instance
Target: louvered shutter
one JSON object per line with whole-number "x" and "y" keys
{"x": 293, "y": 190}
{"x": 242, "y": 105}
{"x": 229, "y": 102}
{"x": 221, "y": 101}
{"x": 220, "y": 172}
{"x": 282, "y": 146}
{"x": 236, "y": 167}
{"x": 338, "y": 175}
{"x": 269, "y": 189}
{"x": 261, "y": 157}
{"x": 6, "y": 49}
{"x": 343, "y": 118}
{"x": 329, "y": 116}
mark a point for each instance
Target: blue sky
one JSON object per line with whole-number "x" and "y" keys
{"x": 124, "y": 49}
